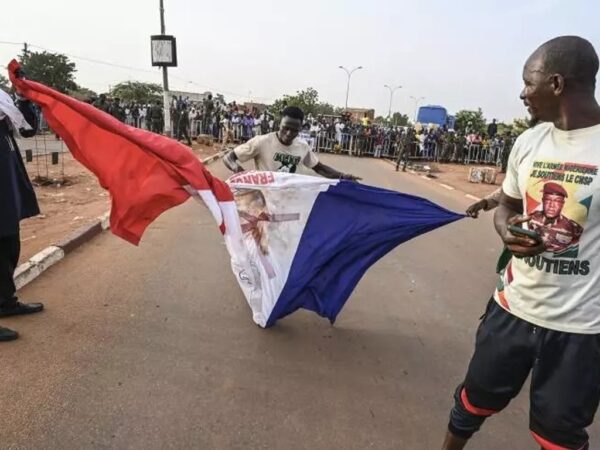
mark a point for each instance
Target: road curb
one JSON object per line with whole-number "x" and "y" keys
{"x": 42, "y": 261}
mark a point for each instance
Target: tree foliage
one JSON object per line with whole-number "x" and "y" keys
{"x": 83, "y": 94}
{"x": 478, "y": 122}
{"x": 400, "y": 119}
{"x": 137, "y": 92}
{"x": 397, "y": 119}
{"x": 52, "y": 69}
{"x": 4, "y": 83}
{"x": 517, "y": 126}
{"x": 308, "y": 101}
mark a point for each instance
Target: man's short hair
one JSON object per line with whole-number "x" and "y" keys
{"x": 572, "y": 57}
{"x": 293, "y": 112}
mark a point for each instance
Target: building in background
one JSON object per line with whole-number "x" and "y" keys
{"x": 357, "y": 114}
{"x": 218, "y": 99}
{"x": 255, "y": 107}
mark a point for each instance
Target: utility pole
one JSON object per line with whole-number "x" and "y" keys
{"x": 349, "y": 73}
{"x": 392, "y": 90}
{"x": 166, "y": 103}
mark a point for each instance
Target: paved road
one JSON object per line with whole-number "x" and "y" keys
{"x": 154, "y": 347}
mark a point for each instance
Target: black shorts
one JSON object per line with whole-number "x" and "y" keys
{"x": 565, "y": 379}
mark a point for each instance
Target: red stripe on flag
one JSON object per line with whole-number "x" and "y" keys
{"x": 144, "y": 172}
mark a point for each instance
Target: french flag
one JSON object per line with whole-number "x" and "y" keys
{"x": 305, "y": 242}
{"x": 145, "y": 173}
{"x": 295, "y": 241}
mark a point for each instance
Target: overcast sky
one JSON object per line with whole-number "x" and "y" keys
{"x": 461, "y": 54}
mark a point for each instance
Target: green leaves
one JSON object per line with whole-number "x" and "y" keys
{"x": 308, "y": 101}
{"x": 52, "y": 69}
{"x": 137, "y": 91}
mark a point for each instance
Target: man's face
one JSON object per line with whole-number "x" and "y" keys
{"x": 289, "y": 130}
{"x": 553, "y": 205}
{"x": 539, "y": 94}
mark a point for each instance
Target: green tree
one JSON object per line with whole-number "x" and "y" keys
{"x": 4, "y": 83}
{"x": 397, "y": 119}
{"x": 400, "y": 119}
{"x": 137, "y": 91}
{"x": 83, "y": 94}
{"x": 52, "y": 69}
{"x": 476, "y": 118}
{"x": 520, "y": 125}
{"x": 325, "y": 109}
{"x": 307, "y": 100}
{"x": 504, "y": 128}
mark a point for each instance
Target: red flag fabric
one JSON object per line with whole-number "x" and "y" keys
{"x": 145, "y": 173}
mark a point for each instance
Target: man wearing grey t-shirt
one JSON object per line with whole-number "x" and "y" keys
{"x": 281, "y": 151}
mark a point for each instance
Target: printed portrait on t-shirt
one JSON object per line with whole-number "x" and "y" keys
{"x": 559, "y": 202}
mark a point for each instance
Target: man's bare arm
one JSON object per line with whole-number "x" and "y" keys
{"x": 330, "y": 172}
{"x": 231, "y": 162}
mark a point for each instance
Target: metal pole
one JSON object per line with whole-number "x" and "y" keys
{"x": 349, "y": 73}
{"x": 166, "y": 103}
{"x": 348, "y": 90}
{"x": 392, "y": 90}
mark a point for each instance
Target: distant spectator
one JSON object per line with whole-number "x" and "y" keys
{"x": 492, "y": 129}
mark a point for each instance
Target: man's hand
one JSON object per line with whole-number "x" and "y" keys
{"x": 330, "y": 172}
{"x": 350, "y": 177}
{"x": 473, "y": 210}
{"x": 521, "y": 246}
{"x": 230, "y": 161}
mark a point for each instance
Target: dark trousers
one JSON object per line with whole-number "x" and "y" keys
{"x": 182, "y": 131}
{"x": 156, "y": 126}
{"x": 10, "y": 248}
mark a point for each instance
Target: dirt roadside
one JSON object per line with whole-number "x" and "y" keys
{"x": 69, "y": 197}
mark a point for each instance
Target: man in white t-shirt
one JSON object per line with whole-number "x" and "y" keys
{"x": 282, "y": 151}
{"x": 544, "y": 318}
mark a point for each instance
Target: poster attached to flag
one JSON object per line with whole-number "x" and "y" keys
{"x": 305, "y": 242}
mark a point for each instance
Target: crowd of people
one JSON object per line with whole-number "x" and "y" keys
{"x": 189, "y": 118}
{"x": 428, "y": 143}
{"x": 232, "y": 123}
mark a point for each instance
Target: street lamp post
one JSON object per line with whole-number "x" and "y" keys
{"x": 392, "y": 90}
{"x": 349, "y": 73}
{"x": 166, "y": 103}
{"x": 417, "y": 100}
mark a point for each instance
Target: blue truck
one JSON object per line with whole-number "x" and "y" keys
{"x": 437, "y": 115}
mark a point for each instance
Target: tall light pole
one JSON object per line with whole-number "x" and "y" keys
{"x": 166, "y": 104}
{"x": 349, "y": 73}
{"x": 417, "y": 100}
{"x": 392, "y": 90}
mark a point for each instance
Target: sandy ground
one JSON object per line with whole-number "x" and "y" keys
{"x": 457, "y": 175}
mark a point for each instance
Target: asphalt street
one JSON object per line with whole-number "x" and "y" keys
{"x": 153, "y": 347}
